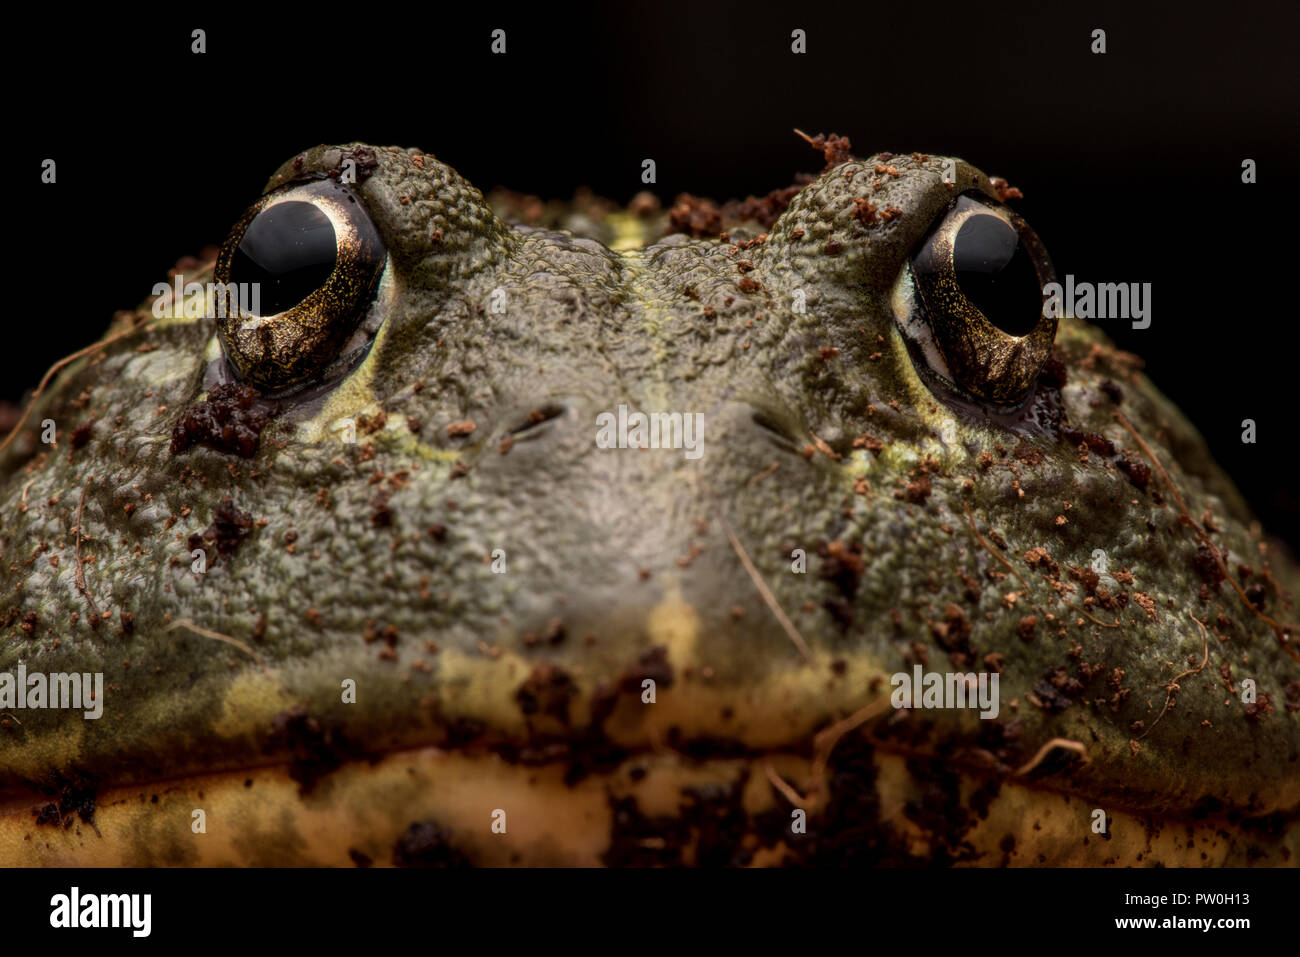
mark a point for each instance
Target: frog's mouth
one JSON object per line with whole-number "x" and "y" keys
{"x": 583, "y": 773}
{"x": 450, "y": 808}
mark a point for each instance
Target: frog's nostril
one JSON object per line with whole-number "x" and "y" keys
{"x": 538, "y": 417}
{"x": 776, "y": 431}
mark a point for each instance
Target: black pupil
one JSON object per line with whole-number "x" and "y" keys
{"x": 289, "y": 249}
{"x": 996, "y": 274}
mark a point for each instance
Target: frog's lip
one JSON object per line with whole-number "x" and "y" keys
{"x": 360, "y": 812}
{"x": 313, "y": 755}
{"x": 821, "y": 701}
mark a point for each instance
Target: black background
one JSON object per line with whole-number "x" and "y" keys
{"x": 641, "y": 911}
{"x": 1130, "y": 161}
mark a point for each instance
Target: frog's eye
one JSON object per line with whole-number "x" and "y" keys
{"x": 970, "y": 301}
{"x": 295, "y": 279}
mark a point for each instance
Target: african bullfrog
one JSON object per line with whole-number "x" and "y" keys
{"x": 389, "y": 568}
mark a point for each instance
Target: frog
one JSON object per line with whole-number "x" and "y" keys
{"x": 503, "y": 533}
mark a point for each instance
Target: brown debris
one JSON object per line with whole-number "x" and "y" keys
{"x": 228, "y": 528}
{"x": 918, "y": 490}
{"x": 547, "y": 690}
{"x": 864, "y": 211}
{"x": 230, "y": 419}
{"x": 834, "y": 148}
{"x": 1004, "y": 189}
{"x": 694, "y": 216}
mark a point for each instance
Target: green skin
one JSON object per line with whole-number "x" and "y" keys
{"x": 586, "y": 329}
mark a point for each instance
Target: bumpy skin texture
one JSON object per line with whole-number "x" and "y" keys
{"x": 619, "y": 566}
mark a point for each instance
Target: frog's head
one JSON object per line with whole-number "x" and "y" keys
{"x": 601, "y": 521}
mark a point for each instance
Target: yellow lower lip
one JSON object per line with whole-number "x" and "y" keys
{"x": 358, "y": 814}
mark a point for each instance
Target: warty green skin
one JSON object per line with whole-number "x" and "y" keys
{"x": 585, "y": 329}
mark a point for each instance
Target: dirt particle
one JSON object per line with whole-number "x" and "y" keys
{"x": 864, "y": 211}
{"x": 223, "y": 536}
{"x": 654, "y": 665}
{"x": 370, "y": 424}
{"x": 230, "y": 419}
{"x": 1089, "y": 578}
{"x": 81, "y": 434}
{"x": 1004, "y": 189}
{"x": 381, "y": 513}
{"x": 953, "y": 634}
{"x": 316, "y": 749}
{"x": 835, "y": 149}
{"x": 643, "y": 205}
{"x": 694, "y": 216}
{"x": 1207, "y": 565}
{"x": 74, "y": 797}
{"x": 1041, "y": 559}
{"x": 547, "y": 690}
{"x": 1261, "y": 706}
{"x": 1137, "y": 473}
{"x": 1028, "y": 454}
{"x": 364, "y": 163}
{"x": 917, "y": 491}
{"x": 426, "y": 844}
{"x": 869, "y": 442}
{"x": 1147, "y": 604}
